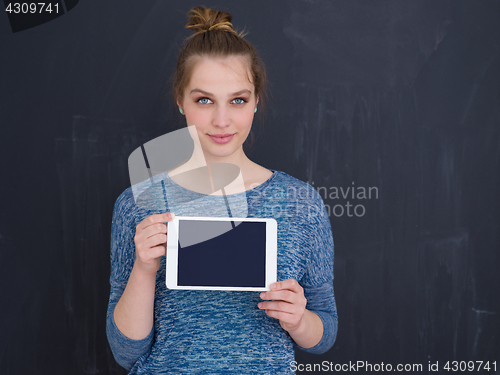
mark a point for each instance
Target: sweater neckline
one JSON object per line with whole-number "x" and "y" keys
{"x": 257, "y": 188}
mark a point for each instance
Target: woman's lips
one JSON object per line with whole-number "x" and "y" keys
{"x": 221, "y": 138}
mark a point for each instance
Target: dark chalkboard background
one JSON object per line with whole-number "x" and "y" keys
{"x": 401, "y": 96}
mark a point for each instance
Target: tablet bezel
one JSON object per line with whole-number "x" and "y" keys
{"x": 172, "y": 253}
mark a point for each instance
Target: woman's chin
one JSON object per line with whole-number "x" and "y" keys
{"x": 218, "y": 154}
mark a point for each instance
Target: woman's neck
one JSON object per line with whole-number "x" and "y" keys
{"x": 207, "y": 175}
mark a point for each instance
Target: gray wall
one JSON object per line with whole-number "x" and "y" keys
{"x": 401, "y": 96}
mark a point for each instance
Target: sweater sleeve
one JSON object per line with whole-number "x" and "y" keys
{"x": 125, "y": 350}
{"x": 318, "y": 278}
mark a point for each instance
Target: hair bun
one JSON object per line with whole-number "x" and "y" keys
{"x": 202, "y": 19}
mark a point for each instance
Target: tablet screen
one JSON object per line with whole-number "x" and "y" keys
{"x": 236, "y": 258}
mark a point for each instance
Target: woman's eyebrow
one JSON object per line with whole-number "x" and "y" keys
{"x": 244, "y": 91}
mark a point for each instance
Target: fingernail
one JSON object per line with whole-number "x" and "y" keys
{"x": 262, "y": 295}
{"x": 260, "y": 305}
{"x": 274, "y": 286}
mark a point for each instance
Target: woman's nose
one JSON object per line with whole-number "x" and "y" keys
{"x": 222, "y": 117}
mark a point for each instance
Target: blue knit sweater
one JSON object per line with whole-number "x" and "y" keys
{"x": 224, "y": 332}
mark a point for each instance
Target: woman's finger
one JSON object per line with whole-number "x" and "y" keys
{"x": 290, "y": 284}
{"x": 156, "y": 218}
{"x": 155, "y": 240}
{"x": 153, "y": 253}
{"x": 152, "y": 230}
{"x": 283, "y": 295}
{"x": 279, "y": 306}
{"x": 151, "y": 226}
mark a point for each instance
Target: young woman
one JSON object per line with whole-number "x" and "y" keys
{"x": 218, "y": 86}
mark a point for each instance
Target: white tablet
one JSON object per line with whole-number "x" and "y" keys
{"x": 221, "y": 253}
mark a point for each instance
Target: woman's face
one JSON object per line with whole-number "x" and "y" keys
{"x": 220, "y": 101}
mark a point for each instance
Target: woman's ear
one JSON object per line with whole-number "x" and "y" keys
{"x": 179, "y": 106}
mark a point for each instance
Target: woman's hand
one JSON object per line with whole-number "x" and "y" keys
{"x": 286, "y": 302}
{"x": 151, "y": 242}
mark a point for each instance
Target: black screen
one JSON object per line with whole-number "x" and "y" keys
{"x": 235, "y": 258}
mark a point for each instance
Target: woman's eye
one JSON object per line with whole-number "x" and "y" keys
{"x": 239, "y": 101}
{"x": 203, "y": 100}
